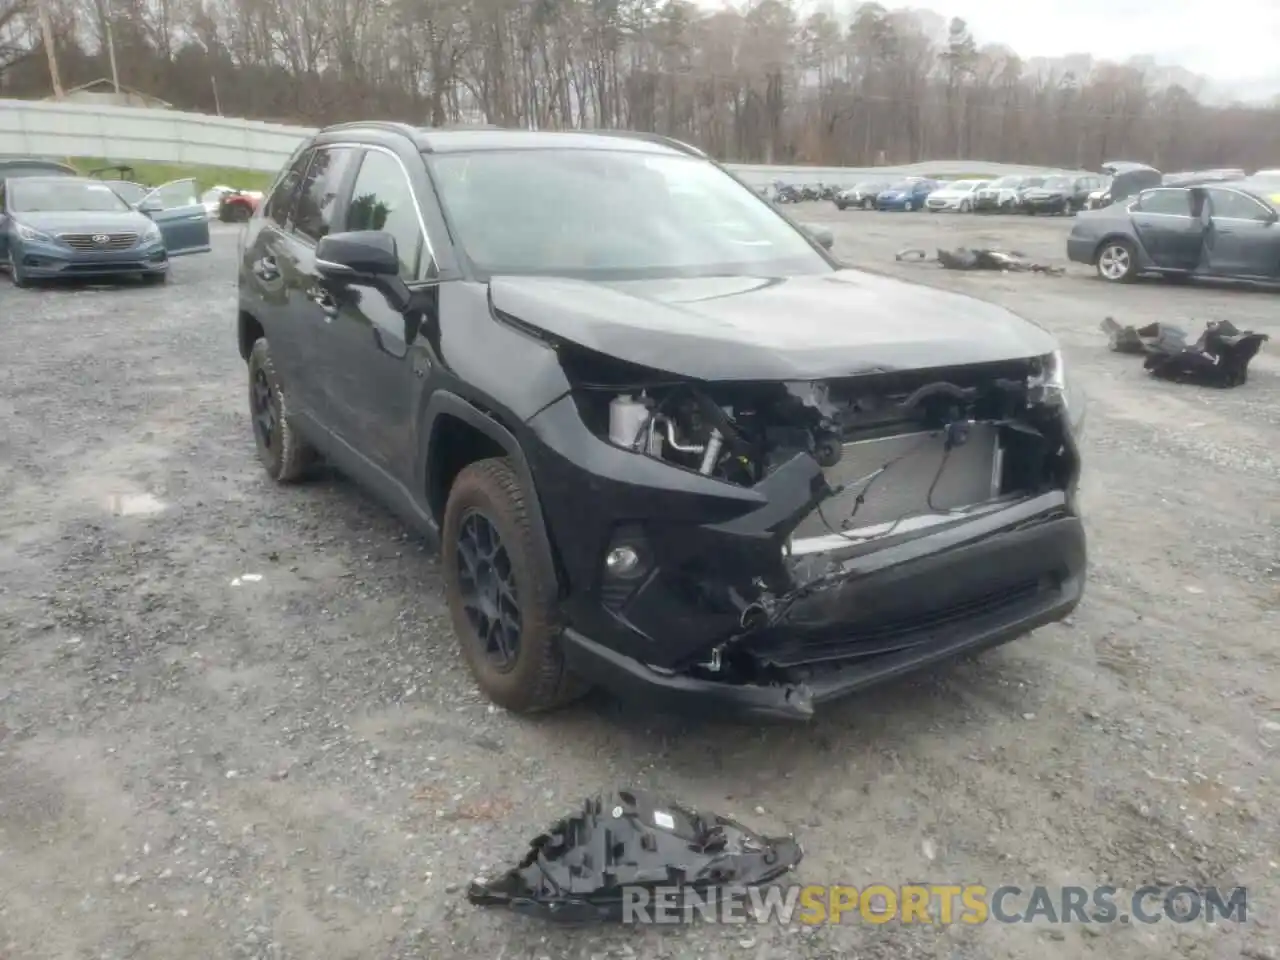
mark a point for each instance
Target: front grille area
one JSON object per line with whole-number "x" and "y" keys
{"x": 91, "y": 241}
{"x": 922, "y": 477}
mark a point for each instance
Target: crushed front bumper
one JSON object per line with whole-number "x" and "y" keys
{"x": 885, "y": 613}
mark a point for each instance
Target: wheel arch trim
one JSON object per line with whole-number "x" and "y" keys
{"x": 446, "y": 403}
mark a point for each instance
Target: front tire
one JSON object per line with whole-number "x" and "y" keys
{"x": 908, "y": 206}
{"x": 965, "y": 206}
{"x": 500, "y": 593}
{"x": 16, "y": 276}
{"x": 1117, "y": 261}
{"x": 284, "y": 454}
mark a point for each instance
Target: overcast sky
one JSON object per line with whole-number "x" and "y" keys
{"x": 1230, "y": 41}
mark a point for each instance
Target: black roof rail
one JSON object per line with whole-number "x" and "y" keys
{"x": 657, "y": 138}
{"x": 423, "y": 134}
{"x": 390, "y": 126}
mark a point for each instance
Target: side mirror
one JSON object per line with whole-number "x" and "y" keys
{"x": 366, "y": 258}
{"x": 825, "y": 238}
{"x": 150, "y": 205}
{"x": 357, "y": 255}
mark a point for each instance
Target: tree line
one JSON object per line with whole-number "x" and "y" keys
{"x": 760, "y": 84}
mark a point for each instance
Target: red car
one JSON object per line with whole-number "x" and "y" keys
{"x": 238, "y": 205}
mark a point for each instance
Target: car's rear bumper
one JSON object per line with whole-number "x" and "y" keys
{"x": 963, "y": 589}
{"x": 1080, "y": 249}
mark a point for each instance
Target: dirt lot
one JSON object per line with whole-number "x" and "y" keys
{"x": 197, "y": 765}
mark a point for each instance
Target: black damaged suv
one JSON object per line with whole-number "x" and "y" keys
{"x": 665, "y": 442}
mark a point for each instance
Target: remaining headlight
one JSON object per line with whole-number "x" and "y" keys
{"x": 1057, "y": 383}
{"x": 27, "y": 233}
{"x": 151, "y": 234}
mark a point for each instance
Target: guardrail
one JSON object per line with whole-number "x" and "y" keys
{"x": 44, "y": 128}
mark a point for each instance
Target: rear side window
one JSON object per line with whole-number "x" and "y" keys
{"x": 1172, "y": 202}
{"x": 382, "y": 199}
{"x": 313, "y": 213}
{"x": 280, "y": 203}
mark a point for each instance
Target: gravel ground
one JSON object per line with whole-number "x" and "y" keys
{"x": 198, "y": 764}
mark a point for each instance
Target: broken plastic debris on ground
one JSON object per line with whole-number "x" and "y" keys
{"x": 965, "y": 258}
{"x": 1219, "y": 357}
{"x": 576, "y": 872}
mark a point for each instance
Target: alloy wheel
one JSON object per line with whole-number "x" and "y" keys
{"x": 486, "y": 581}
{"x": 1114, "y": 262}
{"x": 266, "y": 409}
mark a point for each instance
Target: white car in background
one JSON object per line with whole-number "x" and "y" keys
{"x": 957, "y": 196}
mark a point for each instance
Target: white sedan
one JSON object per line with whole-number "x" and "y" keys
{"x": 957, "y": 196}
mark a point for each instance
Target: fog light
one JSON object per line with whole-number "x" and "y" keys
{"x": 622, "y": 561}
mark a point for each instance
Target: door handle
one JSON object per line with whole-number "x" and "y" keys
{"x": 265, "y": 268}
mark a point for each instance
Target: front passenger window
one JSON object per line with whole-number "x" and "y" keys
{"x": 383, "y": 200}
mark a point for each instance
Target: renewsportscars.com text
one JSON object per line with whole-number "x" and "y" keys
{"x": 931, "y": 904}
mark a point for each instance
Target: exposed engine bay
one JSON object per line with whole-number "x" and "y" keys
{"x": 891, "y": 446}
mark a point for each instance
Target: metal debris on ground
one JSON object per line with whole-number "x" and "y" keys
{"x": 576, "y": 872}
{"x": 965, "y": 258}
{"x": 1219, "y": 357}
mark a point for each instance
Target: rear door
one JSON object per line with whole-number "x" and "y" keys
{"x": 1163, "y": 221}
{"x": 1243, "y": 239}
{"x": 306, "y": 316}
{"x": 181, "y": 217}
{"x": 269, "y": 282}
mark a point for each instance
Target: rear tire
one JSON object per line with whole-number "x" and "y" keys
{"x": 284, "y": 454}
{"x": 1117, "y": 261}
{"x": 499, "y": 593}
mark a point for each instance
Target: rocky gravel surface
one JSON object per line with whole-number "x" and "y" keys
{"x": 233, "y": 722}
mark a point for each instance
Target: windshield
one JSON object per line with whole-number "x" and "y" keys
{"x": 905, "y": 186}
{"x": 50, "y": 196}
{"x": 964, "y": 186}
{"x": 609, "y": 214}
{"x": 1033, "y": 182}
{"x": 869, "y": 185}
{"x": 1057, "y": 183}
{"x": 1004, "y": 183}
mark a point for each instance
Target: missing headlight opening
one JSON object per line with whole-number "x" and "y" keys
{"x": 853, "y": 468}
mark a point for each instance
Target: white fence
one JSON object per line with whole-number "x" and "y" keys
{"x": 46, "y": 129}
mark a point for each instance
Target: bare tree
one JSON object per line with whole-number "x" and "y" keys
{"x": 755, "y": 84}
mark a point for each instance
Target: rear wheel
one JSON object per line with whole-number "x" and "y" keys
{"x": 1117, "y": 261}
{"x": 284, "y": 453}
{"x": 908, "y": 206}
{"x": 965, "y": 206}
{"x": 499, "y": 592}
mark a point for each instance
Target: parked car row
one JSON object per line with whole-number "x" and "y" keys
{"x": 1050, "y": 194}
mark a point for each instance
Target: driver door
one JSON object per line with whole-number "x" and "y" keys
{"x": 1243, "y": 236}
{"x": 177, "y": 211}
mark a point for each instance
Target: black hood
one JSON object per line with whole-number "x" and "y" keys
{"x": 839, "y": 324}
